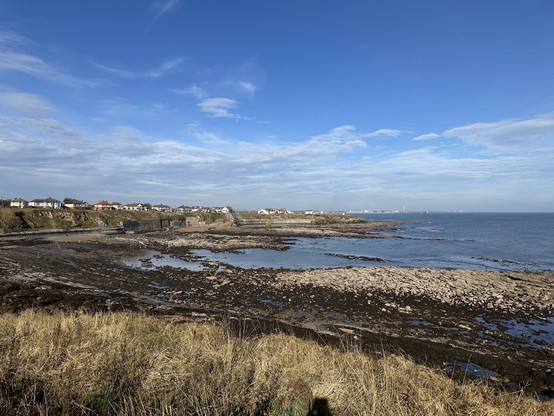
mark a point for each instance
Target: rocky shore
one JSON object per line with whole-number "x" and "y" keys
{"x": 500, "y": 322}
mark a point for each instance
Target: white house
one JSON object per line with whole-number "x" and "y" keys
{"x": 183, "y": 209}
{"x": 18, "y": 203}
{"x": 134, "y": 207}
{"x": 267, "y": 211}
{"x": 46, "y": 203}
{"x": 161, "y": 208}
{"x": 75, "y": 204}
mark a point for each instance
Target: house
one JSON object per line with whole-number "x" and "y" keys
{"x": 183, "y": 209}
{"x": 161, "y": 208}
{"x": 134, "y": 207}
{"x": 117, "y": 205}
{"x": 223, "y": 210}
{"x": 103, "y": 206}
{"x": 18, "y": 203}
{"x": 46, "y": 203}
{"x": 75, "y": 204}
{"x": 197, "y": 208}
{"x": 267, "y": 211}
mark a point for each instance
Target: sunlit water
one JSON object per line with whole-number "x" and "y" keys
{"x": 508, "y": 242}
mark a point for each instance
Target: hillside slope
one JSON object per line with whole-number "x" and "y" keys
{"x": 13, "y": 220}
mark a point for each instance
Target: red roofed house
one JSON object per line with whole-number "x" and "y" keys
{"x": 103, "y": 206}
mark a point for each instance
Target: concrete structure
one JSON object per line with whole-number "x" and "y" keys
{"x": 155, "y": 225}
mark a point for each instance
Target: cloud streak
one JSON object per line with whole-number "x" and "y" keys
{"x": 13, "y": 58}
{"x": 219, "y": 107}
{"x": 165, "y": 6}
{"x": 507, "y": 134}
{"x": 339, "y": 167}
{"x": 25, "y": 103}
{"x": 153, "y": 73}
{"x": 425, "y": 137}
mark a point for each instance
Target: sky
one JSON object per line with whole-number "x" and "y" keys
{"x": 302, "y": 104}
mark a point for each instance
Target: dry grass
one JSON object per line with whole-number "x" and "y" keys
{"x": 128, "y": 364}
{"x": 33, "y": 219}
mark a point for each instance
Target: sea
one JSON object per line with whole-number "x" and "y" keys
{"x": 522, "y": 242}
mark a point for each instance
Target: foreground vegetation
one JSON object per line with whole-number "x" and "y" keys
{"x": 128, "y": 364}
{"x": 14, "y": 220}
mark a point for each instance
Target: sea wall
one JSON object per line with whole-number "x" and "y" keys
{"x": 154, "y": 225}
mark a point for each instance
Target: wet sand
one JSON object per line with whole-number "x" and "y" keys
{"x": 440, "y": 317}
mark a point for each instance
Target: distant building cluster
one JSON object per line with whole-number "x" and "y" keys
{"x": 277, "y": 211}
{"x": 104, "y": 205}
{"x": 268, "y": 211}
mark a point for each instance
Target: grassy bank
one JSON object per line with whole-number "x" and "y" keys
{"x": 13, "y": 220}
{"x": 132, "y": 365}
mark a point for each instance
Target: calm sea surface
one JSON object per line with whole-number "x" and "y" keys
{"x": 477, "y": 241}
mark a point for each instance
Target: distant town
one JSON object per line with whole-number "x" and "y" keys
{"x": 104, "y": 205}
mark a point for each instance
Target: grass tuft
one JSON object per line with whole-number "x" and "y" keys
{"x": 127, "y": 364}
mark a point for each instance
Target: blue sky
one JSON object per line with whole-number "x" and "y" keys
{"x": 304, "y": 104}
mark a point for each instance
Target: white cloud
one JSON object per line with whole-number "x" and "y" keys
{"x": 153, "y": 73}
{"x": 193, "y": 90}
{"x": 165, "y": 6}
{"x": 11, "y": 39}
{"x": 196, "y": 131}
{"x": 340, "y": 132}
{"x": 247, "y": 87}
{"x": 26, "y": 103}
{"x": 219, "y": 107}
{"x": 428, "y": 136}
{"x": 385, "y": 133}
{"x": 12, "y": 58}
{"x": 338, "y": 166}
{"x": 507, "y": 134}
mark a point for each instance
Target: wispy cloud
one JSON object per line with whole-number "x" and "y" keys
{"x": 247, "y": 87}
{"x": 26, "y": 103}
{"x": 15, "y": 57}
{"x": 37, "y": 67}
{"x": 219, "y": 107}
{"x": 385, "y": 133}
{"x": 12, "y": 40}
{"x": 193, "y": 90}
{"x": 165, "y": 6}
{"x": 507, "y": 134}
{"x": 153, "y": 73}
{"x": 328, "y": 169}
{"x": 425, "y": 137}
{"x": 196, "y": 131}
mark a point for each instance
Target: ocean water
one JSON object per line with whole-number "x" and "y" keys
{"x": 474, "y": 241}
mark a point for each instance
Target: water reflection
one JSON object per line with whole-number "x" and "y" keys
{"x": 151, "y": 259}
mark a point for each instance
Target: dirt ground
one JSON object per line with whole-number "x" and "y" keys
{"x": 454, "y": 320}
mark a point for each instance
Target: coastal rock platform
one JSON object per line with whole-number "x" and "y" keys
{"x": 495, "y": 324}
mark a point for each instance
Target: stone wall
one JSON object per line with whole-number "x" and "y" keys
{"x": 155, "y": 225}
